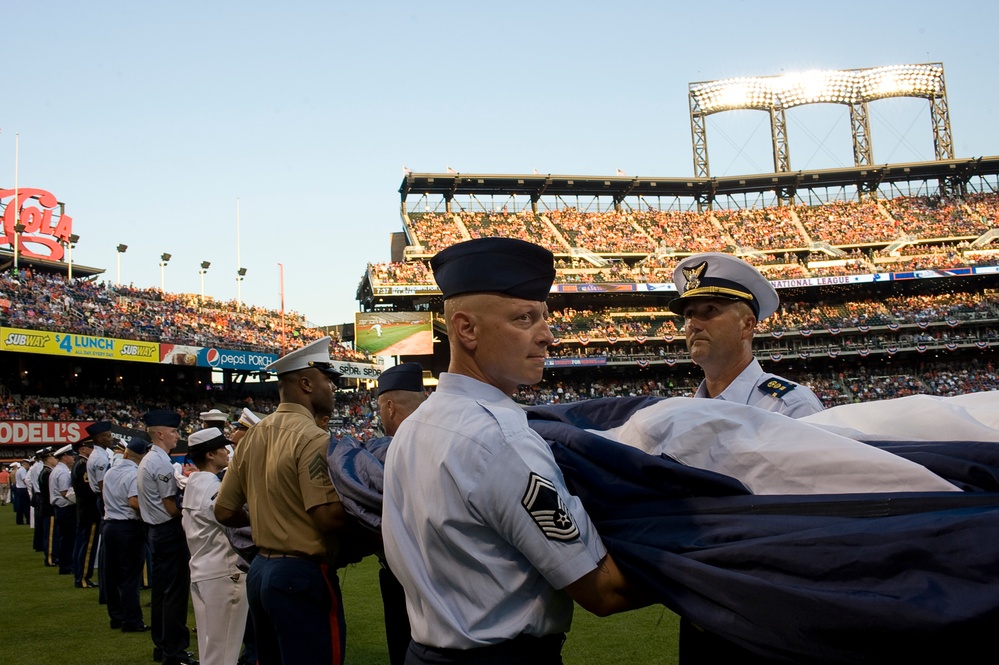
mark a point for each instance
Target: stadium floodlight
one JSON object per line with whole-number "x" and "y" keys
{"x": 163, "y": 261}
{"x": 240, "y": 274}
{"x": 204, "y": 268}
{"x": 121, "y": 250}
{"x": 18, "y": 230}
{"x": 848, "y": 86}
{"x": 70, "y": 244}
{"x": 851, "y": 87}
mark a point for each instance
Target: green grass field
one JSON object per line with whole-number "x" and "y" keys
{"x": 368, "y": 340}
{"x": 44, "y": 619}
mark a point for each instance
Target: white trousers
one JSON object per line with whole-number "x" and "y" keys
{"x": 220, "y": 610}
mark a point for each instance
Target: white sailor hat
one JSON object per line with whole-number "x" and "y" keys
{"x": 206, "y": 440}
{"x": 247, "y": 419}
{"x": 65, "y": 450}
{"x": 214, "y": 416}
{"x": 717, "y": 275}
{"x": 315, "y": 354}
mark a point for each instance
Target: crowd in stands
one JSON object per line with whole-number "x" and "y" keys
{"x": 777, "y": 237}
{"x": 42, "y": 301}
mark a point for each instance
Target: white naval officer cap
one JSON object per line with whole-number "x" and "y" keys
{"x": 65, "y": 450}
{"x": 247, "y": 419}
{"x": 214, "y": 416}
{"x": 206, "y": 440}
{"x": 315, "y": 354}
{"x": 718, "y": 275}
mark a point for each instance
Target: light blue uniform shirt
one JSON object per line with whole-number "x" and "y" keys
{"x": 797, "y": 402}
{"x": 156, "y": 482}
{"x": 120, "y": 482}
{"x": 60, "y": 482}
{"x": 97, "y": 466}
{"x": 477, "y": 522}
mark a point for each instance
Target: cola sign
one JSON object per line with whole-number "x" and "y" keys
{"x": 44, "y": 232}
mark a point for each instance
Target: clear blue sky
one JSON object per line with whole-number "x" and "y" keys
{"x": 149, "y": 119}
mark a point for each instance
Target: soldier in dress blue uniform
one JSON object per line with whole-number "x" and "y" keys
{"x": 171, "y": 573}
{"x": 124, "y": 540}
{"x": 478, "y": 524}
{"x": 722, "y": 298}
{"x": 87, "y": 518}
{"x": 63, "y": 501}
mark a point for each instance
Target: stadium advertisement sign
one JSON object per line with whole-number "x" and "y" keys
{"x": 358, "y": 370}
{"x": 40, "y": 433}
{"x": 588, "y": 361}
{"x": 77, "y": 346}
{"x": 233, "y": 359}
{"x": 39, "y": 228}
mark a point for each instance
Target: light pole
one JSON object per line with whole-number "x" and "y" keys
{"x": 240, "y": 274}
{"x": 163, "y": 261}
{"x": 18, "y": 230}
{"x": 121, "y": 250}
{"x": 70, "y": 244}
{"x": 204, "y": 269}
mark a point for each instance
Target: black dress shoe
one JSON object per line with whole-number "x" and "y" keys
{"x": 187, "y": 659}
{"x": 138, "y": 628}
{"x": 116, "y": 625}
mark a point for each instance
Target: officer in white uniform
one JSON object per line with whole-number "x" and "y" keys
{"x": 160, "y": 509}
{"x": 722, "y": 298}
{"x": 478, "y": 525}
{"x": 218, "y": 586}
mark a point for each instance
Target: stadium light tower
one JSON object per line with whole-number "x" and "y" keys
{"x": 204, "y": 269}
{"x": 121, "y": 250}
{"x": 240, "y": 274}
{"x": 164, "y": 258}
{"x": 70, "y": 244}
{"x": 853, "y": 87}
{"x": 18, "y": 230}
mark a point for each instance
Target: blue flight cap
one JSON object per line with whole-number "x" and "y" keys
{"x": 718, "y": 275}
{"x": 315, "y": 354}
{"x": 162, "y": 418}
{"x": 138, "y": 446}
{"x": 93, "y": 429}
{"x": 495, "y": 265}
{"x": 407, "y": 376}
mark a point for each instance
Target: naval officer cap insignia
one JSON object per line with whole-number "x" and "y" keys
{"x": 717, "y": 275}
{"x": 162, "y": 418}
{"x": 547, "y": 510}
{"x": 407, "y": 376}
{"x": 315, "y": 354}
{"x": 206, "y": 440}
{"x": 93, "y": 429}
{"x": 495, "y": 265}
{"x": 247, "y": 419}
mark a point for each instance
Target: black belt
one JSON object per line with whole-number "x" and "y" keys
{"x": 526, "y": 649}
{"x": 273, "y": 554}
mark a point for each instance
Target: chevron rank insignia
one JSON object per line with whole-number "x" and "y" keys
{"x": 547, "y": 510}
{"x": 776, "y": 387}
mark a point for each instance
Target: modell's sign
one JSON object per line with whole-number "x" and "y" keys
{"x": 44, "y": 230}
{"x": 40, "y": 433}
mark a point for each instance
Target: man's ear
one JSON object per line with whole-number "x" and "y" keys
{"x": 465, "y": 329}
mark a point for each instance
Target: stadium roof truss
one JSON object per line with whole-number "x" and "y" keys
{"x": 952, "y": 174}
{"x": 852, "y": 87}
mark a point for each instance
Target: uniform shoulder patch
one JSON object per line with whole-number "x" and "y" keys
{"x": 776, "y": 386}
{"x": 545, "y": 506}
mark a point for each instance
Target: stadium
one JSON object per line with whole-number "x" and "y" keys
{"x": 888, "y": 276}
